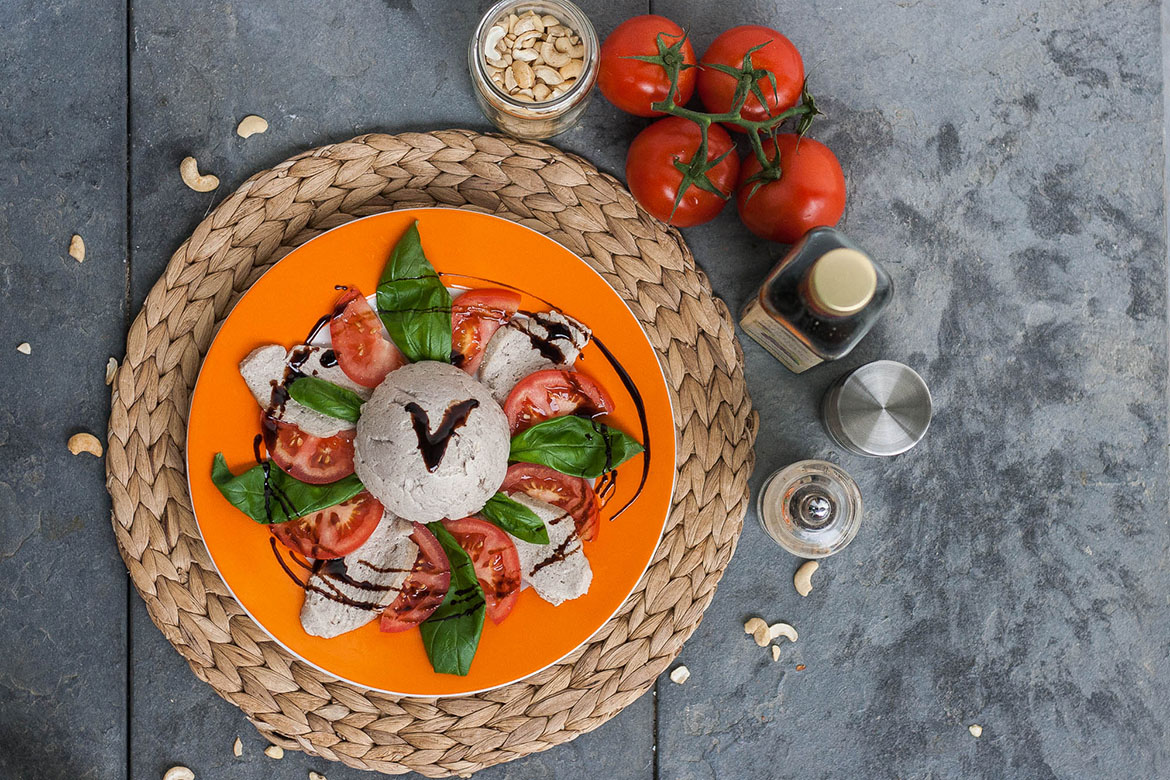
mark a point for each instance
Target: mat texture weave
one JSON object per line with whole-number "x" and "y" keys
{"x": 567, "y": 199}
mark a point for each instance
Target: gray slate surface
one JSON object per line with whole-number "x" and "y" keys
{"x": 1006, "y": 165}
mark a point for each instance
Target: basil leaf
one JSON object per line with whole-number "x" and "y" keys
{"x": 515, "y": 518}
{"x": 413, "y": 303}
{"x": 325, "y": 397}
{"x": 573, "y": 445}
{"x": 286, "y": 497}
{"x": 451, "y": 634}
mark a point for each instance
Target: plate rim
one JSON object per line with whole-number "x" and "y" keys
{"x": 583, "y": 642}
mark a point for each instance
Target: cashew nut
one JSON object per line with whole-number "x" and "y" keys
{"x": 85, "y": 442}
{"x": 552, "y": 57}
{"x": 680, "y": 674}
{"x": 250, "y": 125}
{"x": 976, "y": 730}
{"x": 77, "y": 248}
{"x": 782, "y": 629}
{"x": 803, "y": 578}
{"x": 317, "y": 776}
{"x": 274, "y": 751}
{"x": 179, "y": 773}
{"x": 111, "y": 370}
{"x": 491, "y": 41}
{"x": 189, "y": 170}
{"x": 24, "y": 348}
{"x": 775, "y": 653}
{"x": 548, "y": 75}
{"x": 237, "y": 748}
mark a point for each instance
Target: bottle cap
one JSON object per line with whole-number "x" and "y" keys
{"x": 842, "y": 281}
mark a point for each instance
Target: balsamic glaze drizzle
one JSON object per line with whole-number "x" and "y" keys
{"x": 433, "y": 445}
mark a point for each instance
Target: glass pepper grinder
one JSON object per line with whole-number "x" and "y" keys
{"x": 812, "y": 508}
{"x": 818, "y": 302}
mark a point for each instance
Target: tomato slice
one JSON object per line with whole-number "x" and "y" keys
{"x": 425, "y": 587}
{"x": 552, "y": 393}
{"x": 572, "y": 494}
{"x": 332, "y": 532}
{"x": 475, "y": 317}
{"x": 311, "y": 459}
{"x": 363, "y": 353}
{"x": 497, "y": 564}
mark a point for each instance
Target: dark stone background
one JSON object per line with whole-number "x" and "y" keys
{"x": 1005, "y": 164}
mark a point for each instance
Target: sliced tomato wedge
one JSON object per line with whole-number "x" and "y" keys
{"x": 572, "y": 494}
{"x": 313, "y": 459}
{"x": 497, "y": 564}
{"x": 363, "y": 353}
{"x": 425, "y": 587}
{"x": 552, "y": 393}
{"x": 475, "y": 317}
{"x": 332, "y": 532}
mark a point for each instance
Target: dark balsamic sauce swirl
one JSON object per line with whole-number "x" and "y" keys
{"x": 433, "y": 445}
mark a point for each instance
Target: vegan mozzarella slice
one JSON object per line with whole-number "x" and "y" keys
{"x": 557, "y": 571}
{"x": 359, "y": 586}
{"x": 530, "y": 344}
{"x": 264, "y": 370}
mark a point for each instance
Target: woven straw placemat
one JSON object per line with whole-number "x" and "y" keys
{"x": 558, "y": 194}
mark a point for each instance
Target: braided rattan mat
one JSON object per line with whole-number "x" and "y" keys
{"x": 536, "y": 185}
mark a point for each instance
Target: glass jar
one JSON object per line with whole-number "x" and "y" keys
{"x": 536, "y": 119}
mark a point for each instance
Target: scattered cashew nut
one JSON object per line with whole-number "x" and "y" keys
{"x": 179, "y": 773}
{"x": 274, "y": 751}
{"x": 237, "y": 748}
{"x": 111, "y": 370}
{"x": 77, "y": 248}
{"x": 782, "y": 629}
{"x": 250, "y": 125}
{"x": 775, "y": 653}
{"x": 803, "y": 578}
{"x": 85, "y": 442}
{"x": 317, "y": 776}
{"x": 759, "y": 631}
{"x": 976, "y": 730}
{"x": 189, "y": 170}
{"x": 680, "y": 674}
{"x": 24, "y": 348}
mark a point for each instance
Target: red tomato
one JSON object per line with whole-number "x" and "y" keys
{"x": 332, "y": 532}
{"x": 475, "y": 317}
{"x": 654, "y": 179}
{"x": 778, "y": 55}
{"x": 364, "y": 354}
{"x": 425, "y": 587}
{"x": 497, "y": 564}
{"x": 633, "y": 85}
{"x": 809, "y": 193}
{"x": 311, "y": 459}
{"x": 572, "y": 494}
{"x": 552, "y": 393}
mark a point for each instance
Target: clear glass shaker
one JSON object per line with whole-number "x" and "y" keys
{"x": 530, "y": 119}
{"x": 811, "y": 508}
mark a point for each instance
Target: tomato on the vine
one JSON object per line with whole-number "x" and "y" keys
{"x": 654, "y": 179}
{"x": 633, "y": 85}
{"x": 809, "y": 193}
{"x": 777, "y": 54}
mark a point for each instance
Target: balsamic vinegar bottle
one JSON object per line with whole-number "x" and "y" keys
{"x": 818, "y": 302}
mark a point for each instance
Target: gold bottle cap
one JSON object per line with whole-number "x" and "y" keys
{"x": 842, "y": 281}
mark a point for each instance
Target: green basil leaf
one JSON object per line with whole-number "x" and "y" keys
{"x": 413, "y": 303}
{"x": 286, "y": 498}
{"x": 573, "y": 445}
{"x": 515, "y": 518}
{"x": 451, "y": 634}
{"x": 325, "y": 397}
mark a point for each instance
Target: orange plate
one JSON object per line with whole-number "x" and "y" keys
{"x": 469, "y": 250}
